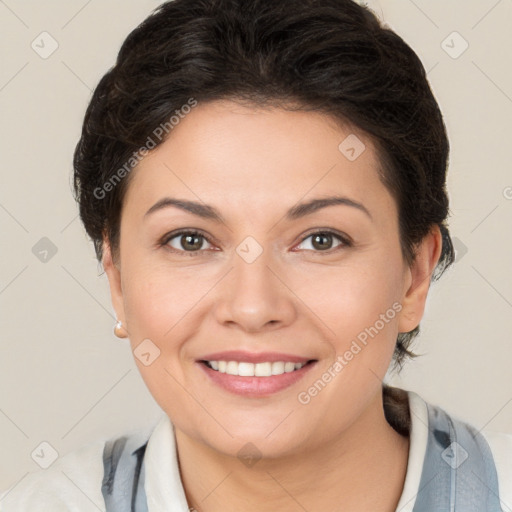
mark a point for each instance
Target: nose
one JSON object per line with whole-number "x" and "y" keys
{"x": 255, "y": 296}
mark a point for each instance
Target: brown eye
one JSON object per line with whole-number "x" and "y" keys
{"x": 322, "y": 241}
{"x": 186, "y": 241}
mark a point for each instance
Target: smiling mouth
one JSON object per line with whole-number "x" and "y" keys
{"x": 264, "y": 369}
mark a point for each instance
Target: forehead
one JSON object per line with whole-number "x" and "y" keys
{"x": 226, "y": 153}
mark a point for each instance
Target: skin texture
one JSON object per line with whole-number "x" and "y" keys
{"x": 253, "y": 165}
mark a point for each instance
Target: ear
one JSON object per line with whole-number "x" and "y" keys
{"x": 418, "y": 280}
{"x": 113, "y": 272}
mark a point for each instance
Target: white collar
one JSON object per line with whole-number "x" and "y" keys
{"x": 418, "y": 438}
{"x": 165, "y": 492}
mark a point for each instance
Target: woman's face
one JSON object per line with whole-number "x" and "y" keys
{"x": 269, "y": 275}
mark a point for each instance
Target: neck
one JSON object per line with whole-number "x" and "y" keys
{"x": 363, "y": 468}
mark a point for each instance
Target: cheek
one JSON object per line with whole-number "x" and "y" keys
{"x": 358, "y": 305}
{"x": 352, "y": 296}
{"x": 159, "y": 307}
{"x": 156, "y": 299}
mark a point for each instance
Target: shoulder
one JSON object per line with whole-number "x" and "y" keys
{"x": 72, "y": 483}
{"x": 492, "y": 447}
{"x": 442, "y": 442}
{"x": 500, "y": 444}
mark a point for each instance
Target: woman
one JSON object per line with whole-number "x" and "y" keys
{"x": 264, "y": 184}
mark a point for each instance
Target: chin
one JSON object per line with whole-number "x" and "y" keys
{"x": 258, "y": 440}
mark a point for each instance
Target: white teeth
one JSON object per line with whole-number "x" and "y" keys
{"x": 263, "y": 369}
{"x": 289, "y": 367}
{"x": 232, "y": 368}
{"x": 244, "y": 369}
{"x": 278, "y": 368}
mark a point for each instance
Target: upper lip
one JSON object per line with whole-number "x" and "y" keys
{"x": 254, "y": 357}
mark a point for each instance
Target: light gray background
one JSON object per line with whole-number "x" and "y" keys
{"x": 66, "y": 380}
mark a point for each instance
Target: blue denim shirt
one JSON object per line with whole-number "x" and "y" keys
{"x": 458, "y": 475}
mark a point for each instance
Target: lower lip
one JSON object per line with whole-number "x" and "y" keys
{"x": 256, "y": 386}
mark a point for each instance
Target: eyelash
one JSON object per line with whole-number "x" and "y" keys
{"x": 346, "y": 242}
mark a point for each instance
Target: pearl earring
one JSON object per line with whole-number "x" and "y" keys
{"x": 119, "y": 331}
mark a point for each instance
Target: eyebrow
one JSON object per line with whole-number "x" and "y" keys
{"x": 300, "y": 210}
